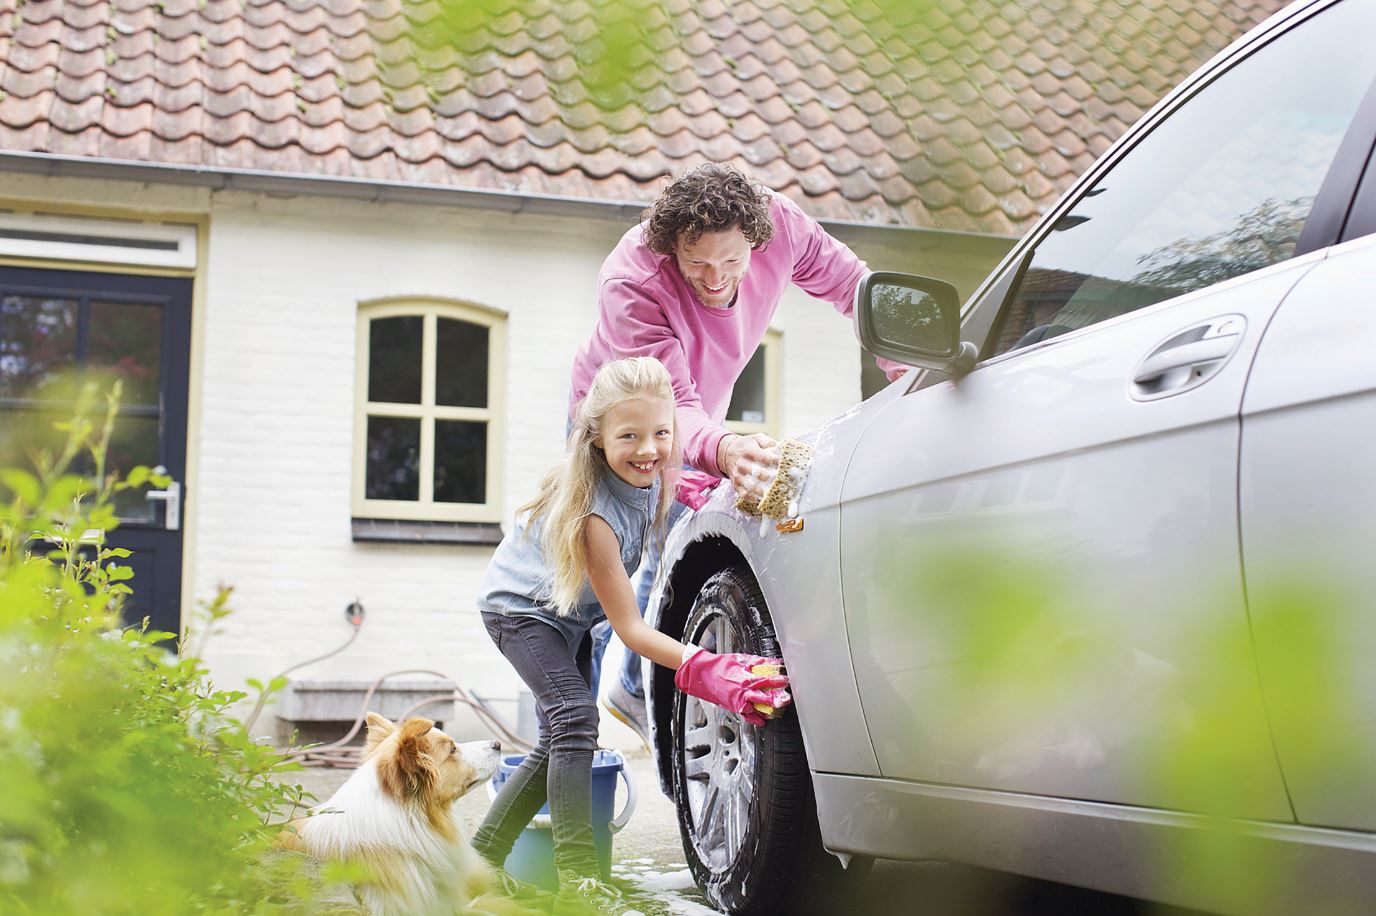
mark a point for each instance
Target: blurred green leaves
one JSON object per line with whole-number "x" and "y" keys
{"x": 612, "y": 49}
{"x": 621, "y": 49}
{"x": 1024, "y": 683}
{"x": 128, "y": 785}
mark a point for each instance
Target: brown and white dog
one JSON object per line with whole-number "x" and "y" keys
{"x": 395, "y": 817}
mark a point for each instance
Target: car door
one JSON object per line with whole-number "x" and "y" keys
{"x": 1041, "y": 568}
{"x": 1308, "y": 503}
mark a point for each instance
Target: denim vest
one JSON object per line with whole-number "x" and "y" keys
{"x": 517, "y": 581}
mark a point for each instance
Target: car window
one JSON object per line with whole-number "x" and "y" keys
{"x": 1220, "y": 188}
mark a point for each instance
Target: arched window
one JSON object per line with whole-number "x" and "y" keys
{"x": 428, "y": 411}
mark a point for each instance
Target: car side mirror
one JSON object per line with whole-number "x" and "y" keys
{"x": 912, "y": 320}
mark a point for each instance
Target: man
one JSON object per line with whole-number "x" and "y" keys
{"x": 696, "y": 285}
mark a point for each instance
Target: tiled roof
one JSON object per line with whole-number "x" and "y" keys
{"x": 936, "y": 113}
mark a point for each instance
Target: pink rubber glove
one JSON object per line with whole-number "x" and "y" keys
{"x": 694, "y": 487}
{"x": 726, "y": 681}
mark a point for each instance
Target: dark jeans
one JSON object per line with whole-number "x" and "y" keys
{"x": 559, "y": 769}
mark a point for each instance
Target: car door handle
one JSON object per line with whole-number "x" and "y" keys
{"x": 1188, "y": 358}
{"x": 1194, "y": 355}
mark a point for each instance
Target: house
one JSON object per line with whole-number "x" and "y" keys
{"x": 342, "y": 252}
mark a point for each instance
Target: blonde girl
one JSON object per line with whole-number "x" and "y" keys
{"x": 565, "y": 566}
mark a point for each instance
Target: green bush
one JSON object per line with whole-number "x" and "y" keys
{"x": 128, "y": 784}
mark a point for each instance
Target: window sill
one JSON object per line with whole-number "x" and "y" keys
{"x": 394, "y": 531}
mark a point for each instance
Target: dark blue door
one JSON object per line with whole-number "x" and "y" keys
{"x": 60, "y": 325}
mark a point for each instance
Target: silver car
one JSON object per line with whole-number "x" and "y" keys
{"x": 1089, "y": 597}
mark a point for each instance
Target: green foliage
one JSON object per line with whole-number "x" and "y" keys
{"x": 615, "y": 56}
{"x": 1022, "y": 675}
{"x": 129, "y": 787}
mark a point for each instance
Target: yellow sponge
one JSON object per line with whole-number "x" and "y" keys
{"x": 794, "y": 458}
{"x": 764, "y": 709}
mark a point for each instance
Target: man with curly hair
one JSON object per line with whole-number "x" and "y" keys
{"x": 696, "y": 285}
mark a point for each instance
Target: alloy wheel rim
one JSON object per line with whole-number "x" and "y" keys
{"x": 719, "y": 761}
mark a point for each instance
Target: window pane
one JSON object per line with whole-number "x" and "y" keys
{"x": 37, "y": 343}
{"x": 26, "y": 432}
{"x": 133, "y": 442}
{"x": 394, "y": 359}
{"x": 393, "y": 470}
{"x": 460, "y": 461}
{"x": 747, "y": 398}
{"x": 1219, "y": 189}
{"x": 125, "y": 342}
{"x": 461, "y": 364}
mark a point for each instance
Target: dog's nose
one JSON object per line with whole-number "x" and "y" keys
{"x": 495, "y": 745}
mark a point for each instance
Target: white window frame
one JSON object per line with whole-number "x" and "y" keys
{"x": 773, "y": 345}
{"x": 49, "y": 236}
{"x": 425, "y": 508}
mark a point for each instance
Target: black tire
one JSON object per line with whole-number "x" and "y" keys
{"x": 770, "y": 858}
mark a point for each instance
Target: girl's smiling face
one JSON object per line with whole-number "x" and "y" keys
{"x": 637, "y": 438}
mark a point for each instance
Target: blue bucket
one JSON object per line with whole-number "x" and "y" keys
{"x": 532, "y": 858}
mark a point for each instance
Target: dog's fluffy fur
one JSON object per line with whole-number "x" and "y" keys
{"x": 395, "y": 817}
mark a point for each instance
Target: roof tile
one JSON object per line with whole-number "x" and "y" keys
{"x": 27, "y": 114}
{"x": 803, "y": 156}
{"x": 29, "y": 59}
{"x": 78, "y": 117}
{"x": 127, "y": 122}
{"x": 188, "y": 151}
{"x": 182, "y": 125}
{"x": 41, "y": 33}
{"x": 134, "y": 146}
{"x": 82, "y": 143}
{"x": 23, "y": 85}
{"x": 969, "y": 114}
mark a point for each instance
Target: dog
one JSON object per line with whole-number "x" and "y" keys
{"x": 395, "y": 818}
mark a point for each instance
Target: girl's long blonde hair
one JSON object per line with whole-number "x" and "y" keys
{"x": 565, "y": 496}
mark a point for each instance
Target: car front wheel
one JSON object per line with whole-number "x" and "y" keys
{"x": 744, "y": 797}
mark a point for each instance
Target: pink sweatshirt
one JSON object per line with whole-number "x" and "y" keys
{"x": 646, "y": 308}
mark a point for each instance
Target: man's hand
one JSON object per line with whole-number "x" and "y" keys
{"x": 749, "y": 462}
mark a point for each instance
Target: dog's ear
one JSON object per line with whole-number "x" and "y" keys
{"x": 416, "y": 727}
{"x": 380, "y": 724}
{"x": 409, "y": 771}
{"x": 379, "y": 728}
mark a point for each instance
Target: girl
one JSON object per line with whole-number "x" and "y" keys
{"x": 566, "y": 564}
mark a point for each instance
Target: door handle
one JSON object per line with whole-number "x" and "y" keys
{"x": 172, "y": 497}
{"x": 1185, "y": 356}
{"x": 1188, "y": 358}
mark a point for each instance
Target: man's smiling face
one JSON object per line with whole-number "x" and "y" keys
{"x": 714, "y": 265}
